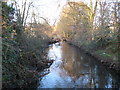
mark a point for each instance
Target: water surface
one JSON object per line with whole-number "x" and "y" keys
{"x": 74, "y": 69}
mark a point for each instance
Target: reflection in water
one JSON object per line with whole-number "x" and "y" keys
{"x": 74, "y": 69}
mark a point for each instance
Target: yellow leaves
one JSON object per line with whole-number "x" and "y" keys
{"x": 65, "y": 15}
{"x": 3, "y": 23}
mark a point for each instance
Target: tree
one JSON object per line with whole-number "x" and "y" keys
{"x": 79, "y": 17}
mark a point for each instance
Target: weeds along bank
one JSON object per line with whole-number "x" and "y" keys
{"x": 22, "y": 48}
{"x": 94, "y": 28}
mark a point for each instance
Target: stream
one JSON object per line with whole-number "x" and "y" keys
{"x": 73, "y": 68}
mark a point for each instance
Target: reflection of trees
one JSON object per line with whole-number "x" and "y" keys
{"x": 72, "y": 62}
{"x": 99, "y": 76}
{"x": 76, "y": 64}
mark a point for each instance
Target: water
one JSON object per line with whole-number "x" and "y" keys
{"x": 74, "y": 69}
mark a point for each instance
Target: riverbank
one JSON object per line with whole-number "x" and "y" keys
{"x": 23, "y": 48}
{"x": 25, "y": 72}
{"x": 108, "y": 62}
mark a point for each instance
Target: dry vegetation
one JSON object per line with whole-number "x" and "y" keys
{"x": 23, "y": 47}
{"x": 95, "y": 29}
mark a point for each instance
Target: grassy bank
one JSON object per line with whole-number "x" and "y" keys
{"x": 101, "y": 55}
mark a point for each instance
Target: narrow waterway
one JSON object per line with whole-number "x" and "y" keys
{"x": 74, "y": 69}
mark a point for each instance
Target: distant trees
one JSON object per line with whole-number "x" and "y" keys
{"x": 79, "y": 17}
{"x": 92, "y": 26}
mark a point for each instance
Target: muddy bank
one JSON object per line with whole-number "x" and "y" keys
{"x": 108, "y": 62}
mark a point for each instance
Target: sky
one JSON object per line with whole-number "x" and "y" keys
{"x": 48, "y": 9}
{"x": 51, "y": 9}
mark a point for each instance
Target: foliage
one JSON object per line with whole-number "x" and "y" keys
{"x": 22, "y": 48}
{"x": 92, "y": 27}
